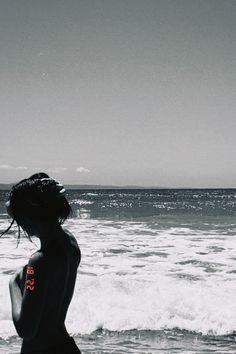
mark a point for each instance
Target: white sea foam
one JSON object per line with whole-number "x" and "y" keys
{"x": 125, "y": 304}
{"x": 136, "y": 275}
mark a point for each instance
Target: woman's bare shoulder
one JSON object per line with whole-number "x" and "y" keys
{"x": 74, "y": 243}
{"x": 72, "y": 238}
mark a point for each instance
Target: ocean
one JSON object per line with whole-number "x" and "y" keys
{"x": 157, "y": 275}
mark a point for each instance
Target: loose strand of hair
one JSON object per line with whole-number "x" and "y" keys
{"x": 18, "y": 236}
{"x": 8, "y": 229}
{"x": 29, "y": 237}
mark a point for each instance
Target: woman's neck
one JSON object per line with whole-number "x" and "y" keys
{"x": 50, "y": 234}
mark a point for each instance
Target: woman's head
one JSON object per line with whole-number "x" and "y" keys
{"x": 38, "y": 199}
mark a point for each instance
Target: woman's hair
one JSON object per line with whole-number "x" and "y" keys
{"x": 37, "y": 198}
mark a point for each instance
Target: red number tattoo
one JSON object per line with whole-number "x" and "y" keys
{"x": 30, "y": 282}
{"x": 30, "y": 270}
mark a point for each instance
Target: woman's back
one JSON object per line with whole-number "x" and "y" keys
{"x": 62, "y": 259}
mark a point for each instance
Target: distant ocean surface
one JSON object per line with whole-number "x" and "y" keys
{"x": 158, "y": 272}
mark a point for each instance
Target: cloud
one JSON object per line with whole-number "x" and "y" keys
{"x": 21, "y": 168}
{"x": 6, "y": 167}
{"x": 58, "y": 169}
{"x": 82, "y": 170}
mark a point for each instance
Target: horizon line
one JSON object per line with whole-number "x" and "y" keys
{"x": 6, "y": 186}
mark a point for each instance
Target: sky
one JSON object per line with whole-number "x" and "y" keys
{"x": 119, "y": 92}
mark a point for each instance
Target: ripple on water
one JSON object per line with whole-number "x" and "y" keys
{"x": 118, "y": 251}
{"x": 150, "y": 254}
{"x": 215, "y": 249}
{"x": 208, "y": 267}
{"x": 186, "y": 276}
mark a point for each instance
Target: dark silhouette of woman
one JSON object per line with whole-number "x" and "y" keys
{"x": 42, "y": 290}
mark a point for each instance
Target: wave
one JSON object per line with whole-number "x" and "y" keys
{"x": 134, "y": 304}
{"x": 176, "y": 333}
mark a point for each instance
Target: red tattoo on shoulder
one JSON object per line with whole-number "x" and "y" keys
{"x": 30, "y": 282}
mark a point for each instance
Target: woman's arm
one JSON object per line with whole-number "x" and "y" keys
{"x": 16, "y": 296}
{"x": 16, "y": 288}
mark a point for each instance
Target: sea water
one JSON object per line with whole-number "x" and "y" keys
{"x": 157, "y": 275}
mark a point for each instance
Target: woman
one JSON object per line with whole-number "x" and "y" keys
{"x": 42, "y": 290}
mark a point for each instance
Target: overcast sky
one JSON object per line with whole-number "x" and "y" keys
{"x": 119, "y": 91}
